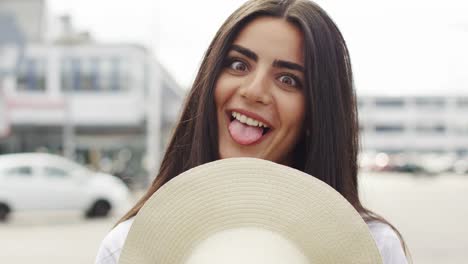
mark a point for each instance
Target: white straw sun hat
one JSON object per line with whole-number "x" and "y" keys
{"x": 246, "y": 211}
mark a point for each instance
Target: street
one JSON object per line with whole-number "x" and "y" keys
{"x": 51, "y": 238}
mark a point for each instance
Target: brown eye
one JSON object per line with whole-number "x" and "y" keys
{"x": 288, "y": 80}
{"x": 238, "y": 66}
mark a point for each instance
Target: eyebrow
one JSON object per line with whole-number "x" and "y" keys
{"x": 244, "y": 51}
{"x": 287, "y": 64}
{"x": 276, "y": 63}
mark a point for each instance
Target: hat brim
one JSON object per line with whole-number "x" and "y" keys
{"x": 248, "y": 192}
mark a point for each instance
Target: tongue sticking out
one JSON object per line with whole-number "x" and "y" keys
{"x": 244, "y": 134}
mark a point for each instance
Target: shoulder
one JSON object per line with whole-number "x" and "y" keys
{"x": 112, "y": 244}
{"x": 388, "y": 243}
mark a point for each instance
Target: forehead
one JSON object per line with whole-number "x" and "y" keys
{"x": 272, "y": 38}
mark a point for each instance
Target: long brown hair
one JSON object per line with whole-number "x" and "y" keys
{"x": 329, "y": 148}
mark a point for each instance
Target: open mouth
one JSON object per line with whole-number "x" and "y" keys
{"x": 246, "y": 130}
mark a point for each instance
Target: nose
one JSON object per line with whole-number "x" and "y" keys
{"x": 257, "y": 88}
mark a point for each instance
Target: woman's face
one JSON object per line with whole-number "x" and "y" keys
{"x": 259, "y": 94}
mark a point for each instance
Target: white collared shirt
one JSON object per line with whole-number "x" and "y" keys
{"x": 386, "y": 240}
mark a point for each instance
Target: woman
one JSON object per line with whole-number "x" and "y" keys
{"x": 276, "y": 84}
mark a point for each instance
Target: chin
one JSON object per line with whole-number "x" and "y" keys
{"x": 235, "y": 154}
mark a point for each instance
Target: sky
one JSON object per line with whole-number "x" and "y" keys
{"x": 410, "y": 47}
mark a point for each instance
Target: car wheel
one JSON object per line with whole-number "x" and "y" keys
{"x": 100, "y": 208}
{"x": 4, "y": 212}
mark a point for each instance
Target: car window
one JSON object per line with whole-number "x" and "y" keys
{"x": 54, "y": 172}
{"x": 23, "y": 171}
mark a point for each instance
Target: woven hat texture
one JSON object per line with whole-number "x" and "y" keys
{"x": 248, "y": 194}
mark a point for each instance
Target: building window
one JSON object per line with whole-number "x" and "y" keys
{"x": 31, "y": 75}
{"x": 430, "y": 102}
{"x": 462, "y": 102}
{"x": 461, "y": 129}
{"x": 430, "y": 129}
{"x": 94, "y": 74}
{"x": 389, "y": 128}
{"x": 71, "y": 74}
{"x": 113, "y": 74}
{"x": 105, "y": 69}
{"x": 75, "y": 74}
{"x": 66, "y": 74}
{"x": 390, "y": 102}
{"x": 89, "y": 78}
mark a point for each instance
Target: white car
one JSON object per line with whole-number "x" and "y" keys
{"x": 39, "y": 181}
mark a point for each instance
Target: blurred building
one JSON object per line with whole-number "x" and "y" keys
{"x": 30, "y": 15}
{"x": 437, "y": 124}
{"x": 103, "y": 104}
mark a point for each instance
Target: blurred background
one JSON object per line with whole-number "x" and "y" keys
{"x": 90, "y": 91}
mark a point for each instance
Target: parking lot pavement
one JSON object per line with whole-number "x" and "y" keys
{"x": 431, "y": 214}
{"x": 51, "y": 238}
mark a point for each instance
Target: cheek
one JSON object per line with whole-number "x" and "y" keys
{"x": 224, "y": 89}
{"x": 293, "y": 111}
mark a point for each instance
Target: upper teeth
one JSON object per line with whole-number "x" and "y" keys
{"x": 247, "y": 120}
